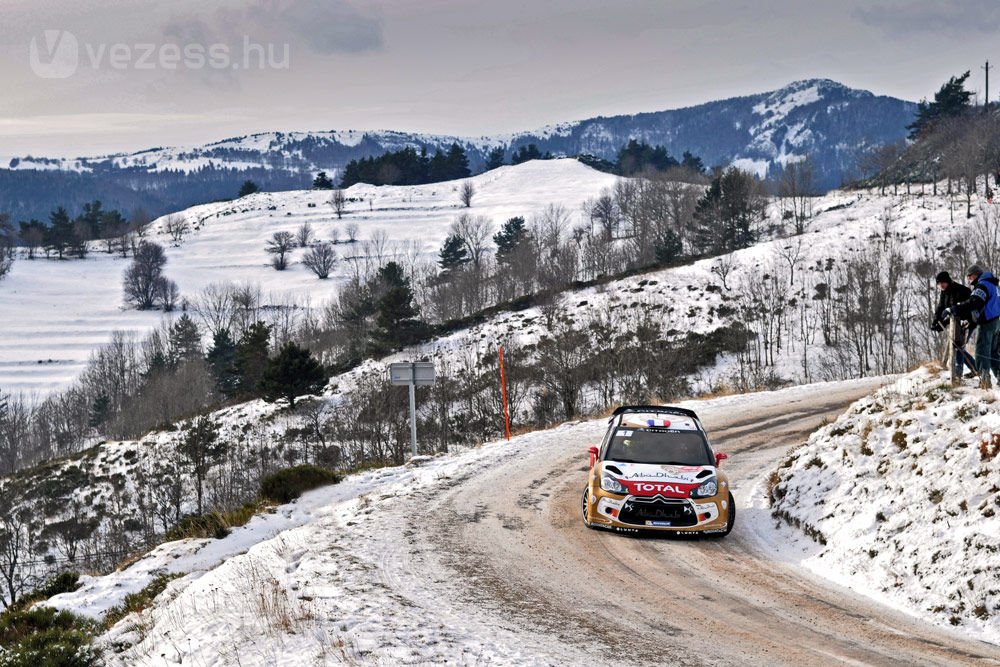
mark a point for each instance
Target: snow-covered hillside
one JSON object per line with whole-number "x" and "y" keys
{"x": 899, "y": 500}
{"x": 56, "y": 313}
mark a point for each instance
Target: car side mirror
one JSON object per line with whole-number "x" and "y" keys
{"x": 719, "y": 458}
{"x": 594, "y": 453}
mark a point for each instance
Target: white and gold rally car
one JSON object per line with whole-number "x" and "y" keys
{"x": 655, "y": 470}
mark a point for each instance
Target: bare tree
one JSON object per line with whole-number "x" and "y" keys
{"x": 176, "y": 226}
{"x": 304, "y": 234}
{"x": 7, "y": 246}
{"x": 723, "y": 267}
{"x": 465, "y": 193}
{"x": 475, "y": 231}
{"x": 795, "y": 187}
{"x": 144, "y": 281}
{"x": 280, "y": 245}
{"x": 320, "y": 260}
{"x": 790, "y": 254}
{"x": 351, "y": 229}
{"x": 338, "y": 200}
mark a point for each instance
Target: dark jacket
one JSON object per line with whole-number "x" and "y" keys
{"x": 953, "y": 295}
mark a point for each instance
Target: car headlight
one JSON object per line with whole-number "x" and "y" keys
{"x": 609, "y": 483}
{"x": 708, "y": 488}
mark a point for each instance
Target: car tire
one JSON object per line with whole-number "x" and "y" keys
{"x": 586, "y": 506}
{"x": 731, "y": 518}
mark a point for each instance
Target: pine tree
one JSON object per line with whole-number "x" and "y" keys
{"x": 248, "y": 188}
{"x": 509, "y": 238}
{"x": 251, "y": 357}
{"x": 185, "y": 340}
{"x": 293, "y": 372}
{"x": 396, "y": 314}
{"x": 453, "y": 256}
{"x": 495, "y": 158}
{"x": 59, "y": 234}
{"x": 458, "y": 163}
{"x": 525, "y": 153}
{"x": 668, "y": 247}
{"x": 322, "y": 182}
{"x": 692, "y": 162}
{"x": 202, "y": 448}
{"x": 222, "y": 362}
{"x": 951, "y": 100}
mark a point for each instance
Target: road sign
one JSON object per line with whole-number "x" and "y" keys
{"x": 412, "y": 374}
{"x": 420, "y": 373}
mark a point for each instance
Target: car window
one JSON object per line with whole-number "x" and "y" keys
{"x": 659, "y": 445}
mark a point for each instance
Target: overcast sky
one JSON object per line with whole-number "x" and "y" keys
{"x": 135, "y": 79}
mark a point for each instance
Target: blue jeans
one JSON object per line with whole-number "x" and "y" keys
{"x": 987, "y": 358}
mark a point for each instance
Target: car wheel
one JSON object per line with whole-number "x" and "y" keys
{"x": 731, "y": 520}
{"x": 586, "y": 507}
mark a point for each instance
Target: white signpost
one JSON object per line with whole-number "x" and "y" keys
{"x": 420, "y": 373}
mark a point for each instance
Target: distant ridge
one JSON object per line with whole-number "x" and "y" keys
{"x": 820, "y": 118}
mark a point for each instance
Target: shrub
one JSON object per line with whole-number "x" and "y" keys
{"x": 286, "y": 485}
{"x": 44, "y": 637}
{"x": 214, "y": 524}
{"x": 64, "y": 582}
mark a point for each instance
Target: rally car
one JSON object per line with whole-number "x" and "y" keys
{"x": 656, "y": 471}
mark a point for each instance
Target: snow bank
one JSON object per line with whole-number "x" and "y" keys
{"x": 899, "y": 500}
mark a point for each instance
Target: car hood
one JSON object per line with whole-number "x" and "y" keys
{"x": 645, "y": 479}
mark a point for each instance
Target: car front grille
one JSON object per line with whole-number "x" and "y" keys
{"x": 637, "y": 511}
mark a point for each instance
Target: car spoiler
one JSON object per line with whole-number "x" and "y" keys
{"x": 661, "y": 409}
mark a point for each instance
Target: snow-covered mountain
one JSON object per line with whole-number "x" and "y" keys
{"x": 819, "y": 118}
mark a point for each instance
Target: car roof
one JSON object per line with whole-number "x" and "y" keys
{"x": 654, "y": 409}
{"x": 640, "y": 420}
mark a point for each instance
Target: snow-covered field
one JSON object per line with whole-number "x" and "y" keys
{"x": 901, "y": 497}
{"x": 56, "y": 313}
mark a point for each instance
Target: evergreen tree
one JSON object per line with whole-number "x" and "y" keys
{"x": 727, "y": 216}
{"x": 222, "y": 362}
{"x": 201, "y": 447}
{"x": 668, "y": 247}
{"x": 396, "y": 314}
{"x": 59, "y": 234}
{"x": 458, "y": 163}
{"x": 251, "y": 357}
{"x": 322, "y": 182}
{"x": 32, "y": 235}
{"x": 635, "y": 157}
{"x": 951, "y": 100}
{"x": 692, "y": 162}
{"x": 453, "y": 256}
{"x": 525, "y": 153}
{"x": 248, "y": 188}
{"x": 99, "y": 411}
{"x": 293, "y": 372}
{"x": 509, "y": 238}
{"x": 495, "y": 158}
{"x": 185, "y": 340}
{"x": 437, "y": 168}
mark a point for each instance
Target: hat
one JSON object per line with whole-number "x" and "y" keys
{"x": 974, "y": 270}
{"x": 943, "y": 277}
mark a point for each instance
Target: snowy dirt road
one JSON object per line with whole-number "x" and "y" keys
{"x": 504, "y": 548}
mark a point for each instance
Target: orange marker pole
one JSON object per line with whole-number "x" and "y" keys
{"x": 503, "y": 387}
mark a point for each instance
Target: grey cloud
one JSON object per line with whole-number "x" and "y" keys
{"x": 901, "y": 18}
{"x": 332, "y": 26}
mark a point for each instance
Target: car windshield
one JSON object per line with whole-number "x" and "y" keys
{"x": 659, "y": 445}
